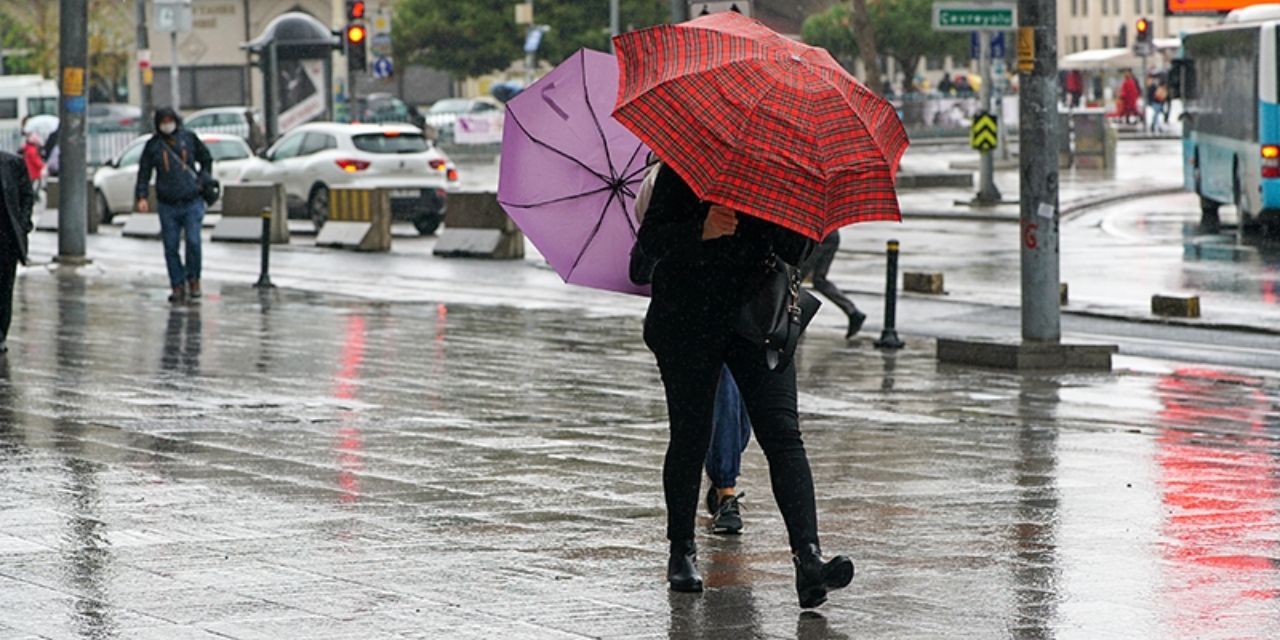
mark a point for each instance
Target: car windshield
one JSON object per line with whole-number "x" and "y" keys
{"x": 390, "y": 142}
{"x": 227, "y": 150}
{"x": 455, "y": 105}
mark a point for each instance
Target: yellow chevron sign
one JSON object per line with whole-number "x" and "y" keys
{"x": 982, "y": 135}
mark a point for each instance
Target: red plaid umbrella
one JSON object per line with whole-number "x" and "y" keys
{"x": 760, "y": 123}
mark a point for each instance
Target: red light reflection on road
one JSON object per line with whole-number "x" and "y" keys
{"x": 1220, "y": 495}
{"x": 350, "y": 439}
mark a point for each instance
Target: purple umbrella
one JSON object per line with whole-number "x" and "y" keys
{"x": 570, "y": 171}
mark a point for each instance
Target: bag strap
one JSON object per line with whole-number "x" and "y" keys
{"x": 182, "y": 162}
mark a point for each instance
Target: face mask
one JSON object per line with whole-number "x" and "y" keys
{"x": 168, "y": 128}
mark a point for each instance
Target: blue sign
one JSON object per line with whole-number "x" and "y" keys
{"x": 75, "y": 104}
{"x": 533, "y": 41}
{"x": 997, "y": 45}
{"x": 382, "y": 68}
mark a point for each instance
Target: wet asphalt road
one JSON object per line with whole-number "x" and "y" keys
{"x": 316, "y": 466}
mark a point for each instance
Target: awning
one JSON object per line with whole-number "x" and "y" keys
{"x": 1121, "y": 58}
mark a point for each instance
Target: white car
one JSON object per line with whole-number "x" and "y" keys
{"x": 313, "y": 157}
{"x": 114, "y": 182}
{"x": 443, "y": 115}
{"x": 232, "y": 120}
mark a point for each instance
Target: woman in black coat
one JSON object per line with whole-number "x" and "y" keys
{"x": 710, "y": 261}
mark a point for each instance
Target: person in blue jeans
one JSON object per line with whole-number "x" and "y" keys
{"x": 731, "y": 431}
{"x": 180, "y": 162}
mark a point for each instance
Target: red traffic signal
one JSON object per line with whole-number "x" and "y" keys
{"x": 355, "y": 34}
{"x": 355, "y": 9}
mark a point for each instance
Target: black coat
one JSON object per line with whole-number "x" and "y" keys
{"x": 700, "y": 286}
{"x": 166, "y": 156}
{"x": 16, "y": 200}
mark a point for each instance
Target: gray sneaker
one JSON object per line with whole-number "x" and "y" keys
{"x": 727, "y": 519}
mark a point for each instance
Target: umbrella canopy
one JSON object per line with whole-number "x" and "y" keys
{"x": 569, "y": 172}
{"x": 760, "y": 123}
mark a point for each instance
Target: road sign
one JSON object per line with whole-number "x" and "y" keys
{"x": 381, "y": 39}
{"x": 967, "y": 16}
{"x": 982, "y": 134}
{"x": 173, "y": 16}
{"x": 1026, "y": 49}
{"x": 705, "y": 8}
{"x": 144, "y": 58}
{"x": 997, "y": 45}
{"x": 382, "y": 68}
{"x": 533, "y": 40}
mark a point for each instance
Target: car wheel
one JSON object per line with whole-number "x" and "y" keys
{"x": 318, "y": 206}
{"x": 104, "y": 209}
{"x": 427, "y": 225}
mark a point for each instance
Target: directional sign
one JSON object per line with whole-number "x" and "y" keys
{"x": 982, "y": 135}
{"x": 967, "y": 16}
{"x": 382, "y": 68}
{"x": 997, "y": 45}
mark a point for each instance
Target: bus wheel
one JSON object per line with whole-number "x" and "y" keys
{"x": 1209, "y": 220}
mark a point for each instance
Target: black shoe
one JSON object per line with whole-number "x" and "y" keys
{"x": 682, "y": 567}
{"x": 814, "y": 578}
{"x": 855, "y": 324}
{"x": 727, "y": 518}
{"x": 179, "y": 295}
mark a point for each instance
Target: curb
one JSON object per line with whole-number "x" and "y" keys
{"x": 1073, "y": 208}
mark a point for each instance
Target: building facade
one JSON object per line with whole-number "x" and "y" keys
{"x": 1107, "y": 24}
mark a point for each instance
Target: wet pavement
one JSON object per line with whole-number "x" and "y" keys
{"x": 311, "y": 465}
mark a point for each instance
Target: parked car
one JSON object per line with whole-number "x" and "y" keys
{"x": 114, "y": 181}
{"x": 443, "y": 115}
{"x": 245, "y": 122}
{"x": 105, "y": 116}
{"x": 384, "y": 107}
{"x": 313, "y": 157}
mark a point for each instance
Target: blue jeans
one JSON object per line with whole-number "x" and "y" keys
{"x": 176, "y": 221}
{"x": 730, "y": 433}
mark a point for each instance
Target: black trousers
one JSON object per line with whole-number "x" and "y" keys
{"x": 691, "y": 375}
{"x": 8, "y": 271}
{"x": 819, "y": 265}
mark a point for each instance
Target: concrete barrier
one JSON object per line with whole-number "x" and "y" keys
{"x": 477, "y": 227}
{"x": 144, "y": 225}
{"x": 930, "y": 283}
{"x": 1176, "y": 306}
{"x": 48, "y": 219}
{"x": 242, "y": 205}
{"x": 359, "y": 219}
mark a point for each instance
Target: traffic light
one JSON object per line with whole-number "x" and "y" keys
{"x": 355, "y": 10}
{"x": 1143, "y": 30}
{"x": 357, "y": 39}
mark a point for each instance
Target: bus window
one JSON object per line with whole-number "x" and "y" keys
{"x": 42, "y": 106}
{"x": 8, "y": 108}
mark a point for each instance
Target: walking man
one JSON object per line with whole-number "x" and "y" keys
{"x": 173, "y": 154}
{"x": 819, "y": 265}
{"x": 16, "y": 200}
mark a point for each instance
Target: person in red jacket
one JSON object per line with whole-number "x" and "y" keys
{"x": 31, "y": 154}
{"x": 1129, "y": 94}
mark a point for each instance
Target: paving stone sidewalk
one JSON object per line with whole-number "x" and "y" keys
{"x": 311, "y": 466}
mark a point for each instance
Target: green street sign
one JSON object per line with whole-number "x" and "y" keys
{"x": 973, "y": 16}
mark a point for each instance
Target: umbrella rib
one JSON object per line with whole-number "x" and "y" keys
{"x": 557, "y": 200}
{"x": 604, "y": 141}
{"x": 516, "y": 119}
{"x": 595, "y": 231}
{"x": 643, "y": 168}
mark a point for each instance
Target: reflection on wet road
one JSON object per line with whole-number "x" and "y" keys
{"x": 306, "y": 466}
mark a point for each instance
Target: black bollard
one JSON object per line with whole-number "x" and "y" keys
{"x": 889, "y": 337}
{"x": 264, "y": 275}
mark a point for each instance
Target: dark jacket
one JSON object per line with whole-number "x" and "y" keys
{"x": 166, "y": 156}
{"x": 16, "y": 200}
{"x": 700, "y": 286}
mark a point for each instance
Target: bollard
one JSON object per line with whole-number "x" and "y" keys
{"x": 264, "y": 275}
{"x": 889, "y": 336}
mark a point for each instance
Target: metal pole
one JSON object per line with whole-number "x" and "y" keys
{"x": 264, "y": 274}
{"x": 1038, "y": 115}
{"x": 615, "y": 21}
{"x": 273, "y": 94}
{"x": 73, "y": 56}
{"x": 144, "y": 75}
{"x": 889, "y": 335}
{"x": 988, "y": 194}
{"x": 175, "y": 96}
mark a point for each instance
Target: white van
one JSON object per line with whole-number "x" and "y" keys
{"x": 26, "y": 95}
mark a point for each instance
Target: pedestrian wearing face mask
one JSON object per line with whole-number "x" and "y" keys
{"x": 180, "y": 162}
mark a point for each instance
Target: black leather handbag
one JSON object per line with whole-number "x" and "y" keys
{"x": 778, "y": 313}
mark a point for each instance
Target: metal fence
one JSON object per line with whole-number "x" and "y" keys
{"x": 101, "y": 145}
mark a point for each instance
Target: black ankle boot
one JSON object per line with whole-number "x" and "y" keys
{"x": 682, "y": 567}
{"x": 814, "y": 577}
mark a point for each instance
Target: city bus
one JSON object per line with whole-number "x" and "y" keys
{"x": 1228, "y": 78}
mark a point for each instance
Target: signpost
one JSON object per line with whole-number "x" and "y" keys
{"x": 988, "y": 20}
{"x": 173, "y": 17}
